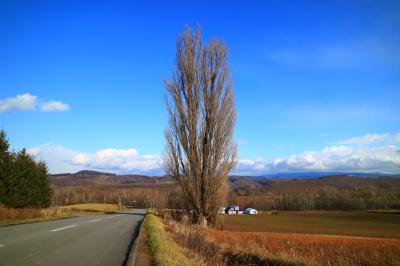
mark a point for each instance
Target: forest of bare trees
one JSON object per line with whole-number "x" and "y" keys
{"x": 160, "y": 198}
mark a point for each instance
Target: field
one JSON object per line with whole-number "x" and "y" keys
{"x": 91, "y": 207}
{"x": 25, "y": 215}
{"x": 367, "y": 224}
{"x": 261, "y": 248}
{"x": 296, "y": 238}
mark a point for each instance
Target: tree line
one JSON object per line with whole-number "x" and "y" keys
{"x": 24, "y": 182}
{"x": 158, "y": 198}
{"x": 325, "y": 199}
{"x": 171, "y": 198}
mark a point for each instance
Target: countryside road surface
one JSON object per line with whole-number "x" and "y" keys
{"x": 86, "y": 240}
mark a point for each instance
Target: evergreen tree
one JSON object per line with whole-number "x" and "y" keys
{"x": 24, "y": 184}
{"x": 23, "y": 181}
{"x": 6, "y": 161}
{"x": 43, "y": 191}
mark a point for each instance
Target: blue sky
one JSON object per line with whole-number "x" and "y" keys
{"x": 309, "y": 76}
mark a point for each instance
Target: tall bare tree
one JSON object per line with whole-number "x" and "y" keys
{"x": 200, "y": 151}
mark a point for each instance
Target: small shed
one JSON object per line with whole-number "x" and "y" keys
{"x": 250, "y": 211}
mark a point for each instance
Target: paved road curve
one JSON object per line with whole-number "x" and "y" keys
{"x": 86, "y": 240}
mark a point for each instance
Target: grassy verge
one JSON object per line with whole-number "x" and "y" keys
{"x": 164, "y": 250}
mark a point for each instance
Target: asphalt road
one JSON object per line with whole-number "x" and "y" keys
{"x": 86, "y": 240}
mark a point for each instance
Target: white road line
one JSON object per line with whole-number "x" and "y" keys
{"x": 2, "y": 246}
{"x": 118, "y": 215}
{"x": 110, "y": 217}
{"x": 95, "y": 220}
{"x": 62, "y": 228}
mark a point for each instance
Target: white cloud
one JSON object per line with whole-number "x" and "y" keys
{"x": 384, "y": 159}
{"x": 396, "y": 138}
{"x": 340, "y": 158}
{"x": 29, "y": 102}
{"x": 54, "y": 106}
{"x": 22, "y": 102}
{"x": 57, "y": 157}
{"x": 79, "y": 159}
{"x": 256, "y": 166}
{"x": 122, "y": 161}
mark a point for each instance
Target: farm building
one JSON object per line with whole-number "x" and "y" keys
{"x": 250, "y": 211}
{"x": 233, "y": 209}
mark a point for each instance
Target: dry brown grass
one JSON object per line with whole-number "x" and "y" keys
{"x": 92, "y": 207}
{"x": 347, "y": 223}
{"x": 310, "y": 249}
{"x": 10, "y": 216}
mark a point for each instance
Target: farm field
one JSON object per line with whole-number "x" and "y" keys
{"x": 350, "y": 223}
{"x": 264, "y": 248}
{"x": 91, "y": 207}
{"x": 227, "y": 247}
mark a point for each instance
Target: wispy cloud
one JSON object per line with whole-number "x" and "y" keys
{"x": 366, "y": 139}
{"x": 54, "y": 106}
{"x": 317, "y": 115}
{"x": 363, "y": 52}
{"x": 29, "y": 102}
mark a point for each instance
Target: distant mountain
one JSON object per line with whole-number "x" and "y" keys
{"x": 305, "y": 185}
{"x": 95, "y": 178}
{"x": 323, "y": 174}
{"x": 294, "y": 182}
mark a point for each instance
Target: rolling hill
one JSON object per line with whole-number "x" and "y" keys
{"x": 95, "y": 178}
